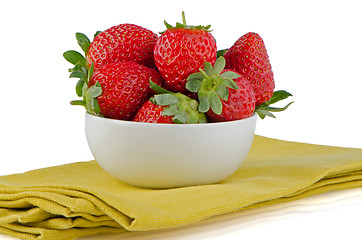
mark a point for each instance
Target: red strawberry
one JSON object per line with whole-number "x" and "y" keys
{"x": 125, "y": 87}
{"x": 124, "y": 42}
{"x": 249, "y": 57}
{"x": 168, "y": 106}
{"x": 239, "y": 105}
{"x": 224, "y": 95}
{"x": 182, "y": 50}
{"x": 152, "y": 113}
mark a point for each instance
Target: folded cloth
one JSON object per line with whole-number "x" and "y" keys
{"x": 79, "y": 199}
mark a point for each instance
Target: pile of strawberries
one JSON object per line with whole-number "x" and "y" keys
{"x": 130, "y": 73}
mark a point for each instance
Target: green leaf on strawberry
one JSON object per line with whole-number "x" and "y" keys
{"x": 215, "y": 102}
{"x": 157, "y": 88}
{"x": 183, "y": 108}
{"x": 204, "y": 105}
{"x": 81, "y": 71}
{"x": 221, "y": 52}
{"x": 166, "y": 99}
{"x": 90, "y": 73}
{"x": 78, "y": 74}
{"x": 265, "y": 109}
{"x": 83, "y": 41}
{"x": 90, "y": 98}
{"x": 75, "y": 58}
{"x": 79, "y": 87}
{"x": 96, "y": 34}
{"x": 278, "y": 96}
{"x": 184, "y": 25}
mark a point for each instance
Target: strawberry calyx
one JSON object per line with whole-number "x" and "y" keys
{"x": 265, "y": 109}
{"x": 211, "y": 85}
{"x": 184, "y": 25}
{"x": 183, "y": 108}
{"x": 83, "y": 73}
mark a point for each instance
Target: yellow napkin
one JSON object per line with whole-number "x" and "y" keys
{"x": 79, "y": 199}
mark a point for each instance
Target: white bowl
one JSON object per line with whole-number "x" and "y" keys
{"x": 169, "y": 155}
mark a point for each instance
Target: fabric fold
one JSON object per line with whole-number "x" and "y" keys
{"x": 79, "y": 199}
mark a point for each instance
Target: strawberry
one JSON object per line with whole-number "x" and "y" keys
{"x": 169, "y": 107}
{"x": 248, "y": 56}
{"x": 239, "y": 105}
{"x": 184, "y": 55}
{"x": 124, "y": 42}
{"x": 125, "y": 87}
{"x": 117, "y": 90}
{"x": 224, "y": 95}
{"x": 152, "y": 113}
{"x": 181, "y": 51}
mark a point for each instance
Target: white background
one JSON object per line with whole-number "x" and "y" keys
{"x": 315, "y": 49}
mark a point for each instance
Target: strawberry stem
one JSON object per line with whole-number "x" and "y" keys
{"x": 157, "y": 88}
{"x": 78, "y": 102}
{"x": 183, "y": 18}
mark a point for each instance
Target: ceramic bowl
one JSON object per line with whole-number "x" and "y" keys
{"x": 169, "y": 155}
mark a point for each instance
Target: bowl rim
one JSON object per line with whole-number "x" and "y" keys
{"x": 133, "y": 123}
